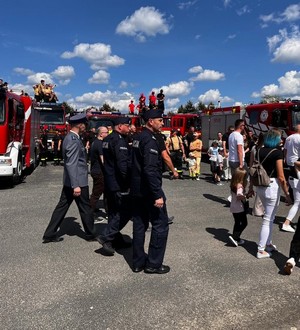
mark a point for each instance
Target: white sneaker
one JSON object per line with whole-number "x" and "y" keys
{"x": 288, "y": 228}
{"x": 260, "y": 255}
{"x": 289, "y": 265}
{"x": 271, "y": 248}
{"x": 233, "y": 241}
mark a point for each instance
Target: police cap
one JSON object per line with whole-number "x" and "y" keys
{"x": 152, "y": 114}
{"x": 78, "y": 119}
{"x": 121, "y": 120}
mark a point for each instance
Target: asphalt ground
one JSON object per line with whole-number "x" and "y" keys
{"x": 72, "y": 285}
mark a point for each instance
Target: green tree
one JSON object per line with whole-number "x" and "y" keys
{"x": 68, "y": 108}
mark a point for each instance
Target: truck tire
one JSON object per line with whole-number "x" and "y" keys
{"x": 19, "y": 169}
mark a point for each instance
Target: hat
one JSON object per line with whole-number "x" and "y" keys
{"x": 152, "y": 114}
{"x": 78, "y": 119}
{"x": 121, "y": 120}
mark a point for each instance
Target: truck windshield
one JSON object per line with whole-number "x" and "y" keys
{"x": 52, "y": 117}
{"x": 2, "y": 112}
{"x": 296, "y": 117}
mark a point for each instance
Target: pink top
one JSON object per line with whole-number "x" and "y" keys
{"x": 236, "y": 205}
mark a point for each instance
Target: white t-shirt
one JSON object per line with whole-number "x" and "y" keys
{"x": 235, "y": 139}
{"x": 292, "y": 146}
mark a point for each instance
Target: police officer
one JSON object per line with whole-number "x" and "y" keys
{"x": 116, "y": 186}
{"x": 149, "y": 198}
{"x": 75, "y": 183}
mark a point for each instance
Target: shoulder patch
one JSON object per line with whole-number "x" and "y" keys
{"x": 153, "y": 151}
{"x": 135, "y": 143}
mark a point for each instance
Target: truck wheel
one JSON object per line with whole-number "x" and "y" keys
{"x": 18, "y": 175}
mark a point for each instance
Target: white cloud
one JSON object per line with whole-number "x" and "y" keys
{"x": 285, "y": 46}
{"x": 187, "y": 4}
{"x": 175, "y": 90}
{"x": 288, "y": 86}
{"x": 123, "y": 84}
{"x": 100, "y": 77}
{"x": 196, "y": 69}
{"x": 226, "y": 3}
{"x": 64, "y": 74}
{"x": 38, "y": 76}
{"x": 144, "y": 22}
{"x": 290, "y": 14}
{"x": 172, "y": 102}
{"x": 206, "y": 75}
{"x": 213, "y": 95}
{"x": 244, "y": 10}
{"x": 23, "y": 71}
{"x": 98, "y": 55}
{"x": 98, "y": 98}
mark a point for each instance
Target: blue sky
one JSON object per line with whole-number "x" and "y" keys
{"x": 97, "y": 52}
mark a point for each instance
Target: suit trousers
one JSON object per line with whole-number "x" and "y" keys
{"x": 143, "y": 212}
{"x": 119, "y": 213}
{"x": 66, "y": 199}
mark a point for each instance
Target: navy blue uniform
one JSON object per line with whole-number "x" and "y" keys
{"x": 146, "y": 188}
{"x": 116, "y": 183}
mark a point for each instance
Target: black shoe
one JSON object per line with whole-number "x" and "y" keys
{"x": 121, "y": 244}
{"x": 163, "y": 269}
{"x": 170, "y": 220}
{"x": 107, "y": 246}
{"x": 52, "y": 240}
{"x": 90, "y": 238}
{"x": 137, "y": 269}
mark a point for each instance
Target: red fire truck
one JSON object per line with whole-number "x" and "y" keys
{"x": 260, "y": 118}
{"x": 19, "y": 135}
{"x": 218, "y": 120}
{"x": 53, "y": 118}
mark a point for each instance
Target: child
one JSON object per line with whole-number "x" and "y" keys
{"x": 192, "y": 162}
{"x": 219, "y": 166}
{"x": 213, "y": 154}
{"x": 238, "y": 197}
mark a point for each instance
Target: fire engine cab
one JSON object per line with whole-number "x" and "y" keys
{"x": 19, "y": 134}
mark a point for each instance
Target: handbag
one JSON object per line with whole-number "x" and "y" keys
{"x": 258, "y": 174}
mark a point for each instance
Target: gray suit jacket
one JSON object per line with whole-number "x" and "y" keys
{"x": 75, "y": 165}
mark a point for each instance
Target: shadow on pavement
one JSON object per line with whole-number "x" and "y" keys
{"x": 217, "y": 199}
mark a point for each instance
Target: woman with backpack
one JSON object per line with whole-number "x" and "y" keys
{"x": 269, "y": 155}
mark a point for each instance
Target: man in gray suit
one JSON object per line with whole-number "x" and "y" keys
{"x": 75, "y": 183}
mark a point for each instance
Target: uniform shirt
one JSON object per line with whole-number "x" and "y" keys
{"x": 174, "y": 143}
{"x": 75, "y": 165}
{"x": 196, "y": 144}
{"x": 146, "y": 179}
{"x": 116, "y": 163}
{"x": 95, "y": 153}
{"x": 292, "y": 146}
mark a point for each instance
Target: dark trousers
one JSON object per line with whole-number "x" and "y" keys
{"x": 119, "y": 213}
{"x": 240, "y": 223}
{"x": 143, "y": 212}
{"x": 176, "y": 157}
{"x": 295, "y": 243}
{"x": 98, "y": 189}
{"x": 66, "y": 199}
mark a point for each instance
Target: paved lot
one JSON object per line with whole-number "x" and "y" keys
{"x": 71, "y": 285}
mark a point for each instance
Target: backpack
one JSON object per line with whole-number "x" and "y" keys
{"x": 257, "y": 172}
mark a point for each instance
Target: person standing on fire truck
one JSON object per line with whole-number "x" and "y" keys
{"x": 75, "y": 184}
